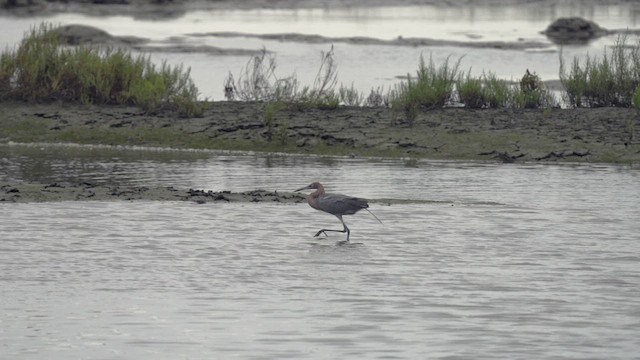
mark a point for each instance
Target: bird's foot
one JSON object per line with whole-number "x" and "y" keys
{"x": 320, "y": 232}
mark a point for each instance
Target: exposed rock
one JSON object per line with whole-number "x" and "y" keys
{"x": 82, "y": 34}
{"x": 88, "y": 35}
{"x": 573, "y": 30}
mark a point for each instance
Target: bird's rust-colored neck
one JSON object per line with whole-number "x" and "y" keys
{"x": 319, "y": 191}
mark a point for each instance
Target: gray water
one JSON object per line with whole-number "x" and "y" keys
{"x": 509, "y": 261}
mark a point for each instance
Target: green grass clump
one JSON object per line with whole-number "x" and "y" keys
{"x": 486, "y": 91}
{"x": 497, "y": 91}
{"x": 611, "y": 80}
{"x": 432, "y": 87}
{"x": 471, "y": 91}
{"x": 40, "y": 69}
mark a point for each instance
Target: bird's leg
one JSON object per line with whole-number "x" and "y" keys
{"x": 345, "y": 230}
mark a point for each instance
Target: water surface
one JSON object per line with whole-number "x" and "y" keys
{"x": 516, "y": 261}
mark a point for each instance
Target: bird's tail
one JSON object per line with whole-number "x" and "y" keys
{"x": 374, "y": 215}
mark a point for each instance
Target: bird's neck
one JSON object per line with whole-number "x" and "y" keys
{"x": 316, "y": 194}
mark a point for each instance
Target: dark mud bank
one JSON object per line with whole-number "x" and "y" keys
{"x": 610, "y": 135}
{"x": 17, "y": 193}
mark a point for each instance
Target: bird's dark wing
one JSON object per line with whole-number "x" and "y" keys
{"x": 338, "y": 204}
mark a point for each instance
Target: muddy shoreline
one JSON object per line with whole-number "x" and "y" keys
{"x": 601, "y": 135}
{"x": 606, "y": 135}
{"x": 21, "y": 193}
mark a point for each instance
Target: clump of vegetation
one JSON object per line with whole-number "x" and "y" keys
{"x": 350, "y": 96}
{"x": 431, "y": 88}
{"x": 486, "y": 91}
{"x": 471, "y": 91}
{"x": 498, "y": 92}
{"x": 42, "y": 70}
{"x": 258, "y": 82}
{"x": 322, "y": 94}
{"x": 609, "y": 81}
{"x": 279, "y": 129}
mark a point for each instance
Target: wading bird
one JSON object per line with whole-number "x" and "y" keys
{"x": 335, "y": 204}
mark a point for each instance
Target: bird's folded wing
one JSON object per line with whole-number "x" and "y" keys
{"x": 339, "y": 204}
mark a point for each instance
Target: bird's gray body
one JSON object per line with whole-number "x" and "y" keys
{"x": 338, "y": 204}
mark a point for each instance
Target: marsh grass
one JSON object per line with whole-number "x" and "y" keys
{"x": 258, "y": 81}
{"x": 471, "y": 91}
{"x": 610, "y": 80}
{"x": 487, "y": 91}
{"x": 497, "y": 90}
{"x": 431, "y": 87}
{"x": 350, "y": 96}
{"x": 41, "y": 70}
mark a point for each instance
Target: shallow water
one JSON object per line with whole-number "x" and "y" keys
{"x": 364, "y": 66}
{"x": 515, "y": 261}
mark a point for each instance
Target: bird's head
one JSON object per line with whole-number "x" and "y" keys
{"x": 313, "y": 185}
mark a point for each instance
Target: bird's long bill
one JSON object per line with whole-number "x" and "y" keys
{"x": 304, "y": 188}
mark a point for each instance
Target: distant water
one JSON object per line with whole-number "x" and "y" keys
{"x": 364, "y": 66}
{"x": 515, "y": 262}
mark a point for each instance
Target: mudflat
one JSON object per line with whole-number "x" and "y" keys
{"x": 608, "y": 135}
{"x": 599, "y": 135}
